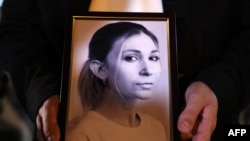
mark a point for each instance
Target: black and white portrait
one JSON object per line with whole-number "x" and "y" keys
{"x": 119, "y": 83}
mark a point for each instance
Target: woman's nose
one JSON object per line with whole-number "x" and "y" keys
{"x": 146, "y": 69}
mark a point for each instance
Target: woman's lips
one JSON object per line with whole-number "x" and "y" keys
{"x": 145, "y": 85}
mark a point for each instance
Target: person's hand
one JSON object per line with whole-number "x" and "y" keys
{"x": 46, "y": 120}
{"x": 198, "y": 119}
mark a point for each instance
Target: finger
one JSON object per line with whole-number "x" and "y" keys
{"x": 198, "y": 119}
{"x": 49, "y": 119}
{"x": 188, "y": 117}
{"x": 206, "y": 125}
{"x": 187, "y": 122}
{"x": 40, "y": 135}
{"x": 51, "y": 129}
{"x": 197, "y": 97}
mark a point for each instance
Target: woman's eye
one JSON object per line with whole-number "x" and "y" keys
{"x": 131, "y": 58}
{"x": 154, "y": 58}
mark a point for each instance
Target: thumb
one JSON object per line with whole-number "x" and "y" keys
{"x": 189, "y": 117}
{"x": 188, "y": 120}
{"x": 48, "y": 113}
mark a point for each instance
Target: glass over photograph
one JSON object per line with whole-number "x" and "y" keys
{"x": 119, "y": 81}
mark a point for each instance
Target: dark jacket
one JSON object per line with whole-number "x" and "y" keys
{"x": 212, "y": 41}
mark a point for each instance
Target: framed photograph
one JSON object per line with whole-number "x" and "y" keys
{"x": 120, "y": 78}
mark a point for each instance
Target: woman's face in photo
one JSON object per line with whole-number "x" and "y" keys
{"x": 134, "y": 67}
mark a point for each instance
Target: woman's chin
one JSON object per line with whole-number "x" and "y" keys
{"x": 145, "y": 95}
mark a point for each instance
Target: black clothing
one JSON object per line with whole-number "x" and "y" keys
{"x": 212, "y": 40}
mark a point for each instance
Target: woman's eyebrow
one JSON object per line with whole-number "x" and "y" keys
{"x": 138, "y": 51}
{"x": 155, "y": 51}
{"x": 131, "y": 50}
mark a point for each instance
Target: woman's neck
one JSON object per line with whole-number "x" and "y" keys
{"x": 154, "y": 6}
{"x": 118, "y": 110}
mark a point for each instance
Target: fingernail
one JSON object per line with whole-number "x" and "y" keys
{"x": 49, "y": 138}
{"x": 185, "y": 127}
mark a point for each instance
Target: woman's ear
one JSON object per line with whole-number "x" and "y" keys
{"x": 98, "y": 69}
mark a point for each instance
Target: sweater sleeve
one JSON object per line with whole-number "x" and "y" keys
{"x": 28, "y": 55}
{"x": 229, "y": 78}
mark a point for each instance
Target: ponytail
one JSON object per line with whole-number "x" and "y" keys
{"x": 90, "y": 87}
